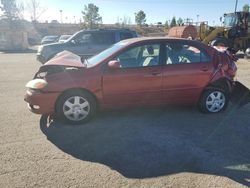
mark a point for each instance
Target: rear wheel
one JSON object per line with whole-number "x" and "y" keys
{"x": 213, "y": 101}
{"x": 75, "y": 107}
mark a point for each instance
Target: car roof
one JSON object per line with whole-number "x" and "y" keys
{"x": 166, "y": 38}
{"x": 106, "y": 29}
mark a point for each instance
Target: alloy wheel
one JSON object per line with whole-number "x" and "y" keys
{"x": 215, "y": 101}
{"x": 76, "y": 108}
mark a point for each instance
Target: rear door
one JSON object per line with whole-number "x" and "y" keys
{"x": 187, "y": 70}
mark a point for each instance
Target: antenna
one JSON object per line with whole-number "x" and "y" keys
{"x": 236, "y": 4}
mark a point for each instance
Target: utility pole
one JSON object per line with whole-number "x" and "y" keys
{"x": 236, "y": 4}
{"x": 197, "y": 23}
{"x": 61, "y": 16}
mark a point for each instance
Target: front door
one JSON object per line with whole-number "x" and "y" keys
{"x": 139, "y": 79}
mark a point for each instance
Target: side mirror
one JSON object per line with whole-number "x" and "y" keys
{"x": 114, "y": 64}
{"x": 73, "y": 41}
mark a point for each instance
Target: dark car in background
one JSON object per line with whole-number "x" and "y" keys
{"x": 49, "y": 39}
{"x": 85, "y": 43}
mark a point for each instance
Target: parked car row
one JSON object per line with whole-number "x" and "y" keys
{"x": 132, "y": 72}
{"x": 54, "y": 39}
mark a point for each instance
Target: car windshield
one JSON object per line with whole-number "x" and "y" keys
{"x": 72, "y": 37}
{"x": 104, "y": 54}
{"x": 230, "y": 20}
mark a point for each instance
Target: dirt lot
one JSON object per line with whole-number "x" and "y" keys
{"x": 159, "y": 147}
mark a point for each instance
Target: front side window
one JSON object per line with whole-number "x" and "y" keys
{"x": 83, "y": 38}
{"x": 105, "y": 54}
{"x": 140, "y": 56}
{"x": 177, "y": 53}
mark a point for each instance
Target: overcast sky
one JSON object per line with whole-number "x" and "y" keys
{"x": 156, "y": 10}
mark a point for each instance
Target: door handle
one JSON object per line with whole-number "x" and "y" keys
{"x": 155, "y": 73}
{"x": 204, "y": 69}
{"x": 152, "y": 74}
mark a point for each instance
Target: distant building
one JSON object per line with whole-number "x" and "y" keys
{"x": 12, "y": 38}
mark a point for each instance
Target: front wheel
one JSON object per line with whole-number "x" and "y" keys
{"x": 75, "y": 107}
{"x": 213, "y": 101}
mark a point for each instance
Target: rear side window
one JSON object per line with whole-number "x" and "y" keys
{"x": 182, "y": 54}
{"x": 125, "y": 35}
{"x": 103, "y": 38}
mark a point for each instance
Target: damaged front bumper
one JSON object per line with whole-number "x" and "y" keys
{"x": 40, "y": 102}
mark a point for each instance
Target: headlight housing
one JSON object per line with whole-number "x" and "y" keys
{"x": 37, "y": 84}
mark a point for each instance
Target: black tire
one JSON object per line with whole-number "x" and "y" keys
{"x": 206, "y": 99}
{"x": 68, "y": 114}
{"x": 220, "y": 42}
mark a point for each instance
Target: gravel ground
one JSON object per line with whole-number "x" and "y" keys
{"x": 157, "y": 147}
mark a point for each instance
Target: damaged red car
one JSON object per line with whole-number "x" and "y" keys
{"x": 133, "y": 72}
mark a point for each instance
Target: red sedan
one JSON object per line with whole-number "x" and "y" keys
{"x": 134, "y": 72}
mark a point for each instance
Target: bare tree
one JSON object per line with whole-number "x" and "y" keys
{"x": 20, "y": 10}
{"x": 9, "y": 10}
{"x": 35, "y": 9}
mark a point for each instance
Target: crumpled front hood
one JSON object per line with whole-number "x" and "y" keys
{"x": 67, "y": 59}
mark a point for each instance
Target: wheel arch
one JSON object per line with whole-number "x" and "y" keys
{"x": 76, "y": 89}
{"x": 222, "y": 83}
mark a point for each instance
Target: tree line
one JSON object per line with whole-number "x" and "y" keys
{"x": 12, "y": 10}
